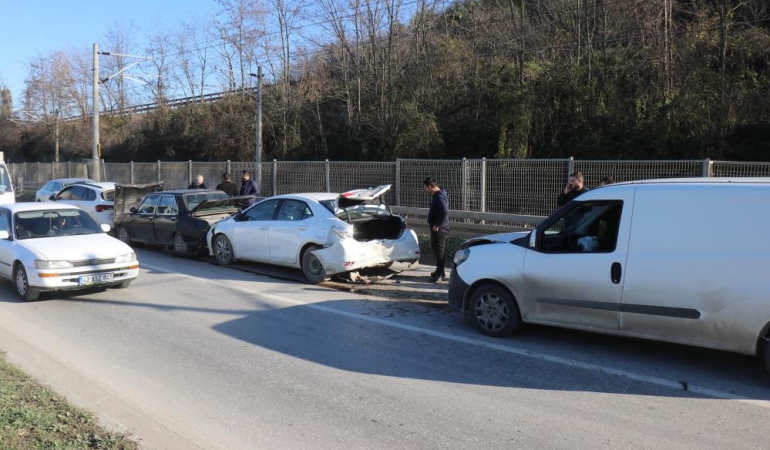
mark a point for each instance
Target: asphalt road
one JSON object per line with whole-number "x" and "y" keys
{"x": 193, "y": 355}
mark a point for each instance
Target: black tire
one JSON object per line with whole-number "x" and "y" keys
{"x": 312, "y": 268}
{"x": 767, "y": 357}
{"x": 21, "y": 284}
{"x": 122, "y": 235}
{"x": 179, "y": 245}
{"x": 223, "y": 250}
{"x": 494, "y": 311}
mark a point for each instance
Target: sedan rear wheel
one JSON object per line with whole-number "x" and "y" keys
{"x": 21, "y": 282}
{"x": 180, "y": 246}
{"x": 312, "y": 267}
{"x": 223, "y": 250}
{"x": 494, "y": 311}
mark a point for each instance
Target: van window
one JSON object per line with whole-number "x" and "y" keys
{"x": 587, "y": 227}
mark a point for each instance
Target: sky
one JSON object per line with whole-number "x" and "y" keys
{"x": 37, "y": 27}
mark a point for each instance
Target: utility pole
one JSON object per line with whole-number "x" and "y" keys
{"x": 94, "y": 168}
{"x": 258, "y": 156}
{"x": 56, "y": 145}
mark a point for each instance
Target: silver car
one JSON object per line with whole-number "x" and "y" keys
{"x": 53, "y": 187}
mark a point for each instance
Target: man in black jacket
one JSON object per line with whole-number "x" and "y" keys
{"x": 197, "y": 183}
{"x": 438, "y": 219}
{"x": 574, "y": 188}
{"x": 249, "y": 187}
{"x": 227, "y": 186}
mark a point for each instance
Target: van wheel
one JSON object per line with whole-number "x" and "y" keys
{"x": 21, "y": 283}
{"x": 312, "y": 268}
{"x": 180, "y": 246}
{"x": 494, "y": 311}
{"x": 223, "y": 250}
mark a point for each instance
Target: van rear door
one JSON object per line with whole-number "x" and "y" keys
{"x": 575, "y": 275}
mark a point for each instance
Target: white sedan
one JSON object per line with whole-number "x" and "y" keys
{"x": 55, "y": 247}
{"x": 323, "y": 234}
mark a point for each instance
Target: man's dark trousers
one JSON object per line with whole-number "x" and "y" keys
{"x": 438, "y": 244}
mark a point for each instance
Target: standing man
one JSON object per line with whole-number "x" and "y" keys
{"x": 227, "y": 186}
{"x": 438, "y": 219}
{"x": 249, "y": 187}
{"x": 574, "y": 188}
{"x": 198, "y": 183}
{"x": 607, "y": 180}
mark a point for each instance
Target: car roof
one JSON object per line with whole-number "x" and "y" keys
{"x": 104, "y": 185}
{"x": 317, "y": 196}
{"x": 185, "y": 191}
{"x": 72, "y": 180}
{"x": 36, "y": 206}
{"x": 737, "y": 180}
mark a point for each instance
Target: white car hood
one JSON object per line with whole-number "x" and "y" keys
{"x": 75, "y": 248}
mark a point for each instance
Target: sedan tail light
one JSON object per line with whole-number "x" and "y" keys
{"x": 102, "y": 208}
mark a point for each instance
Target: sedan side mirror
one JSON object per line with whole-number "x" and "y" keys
{"x": 533, "y": 238}
{"x": 52, "y": 197}
{"x": 4, "y": 235}
{"x": 132, "y": 210}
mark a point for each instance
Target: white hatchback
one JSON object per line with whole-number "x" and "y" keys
{"x": 55, "y": 186}
{"x": 53, "y": 247}
{"x": 97, "y": 199}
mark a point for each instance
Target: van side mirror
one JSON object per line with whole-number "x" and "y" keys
{"x": 52, "y": 198}
{"x": 533, "y": 238}
{"x": 132, "y": 210}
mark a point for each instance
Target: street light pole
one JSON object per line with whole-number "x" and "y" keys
{"x": 258, "y": 156}
{"x": 95, "y": 172}
{"x": 56, "y": 145}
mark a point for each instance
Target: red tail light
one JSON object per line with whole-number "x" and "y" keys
{"x": 102, "y": 208}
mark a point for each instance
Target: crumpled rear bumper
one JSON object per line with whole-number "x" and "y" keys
{"x": 347, "y": 255}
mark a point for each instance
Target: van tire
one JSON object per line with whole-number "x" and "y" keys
{"x": 767, "y": 357}
{"x": 312, "y": 267}
{"x": 494, "y": 311}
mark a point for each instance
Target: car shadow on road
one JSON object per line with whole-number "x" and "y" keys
{"x": 375, "y": 346}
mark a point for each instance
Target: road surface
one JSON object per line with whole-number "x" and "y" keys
{"x": 194, "y": 355}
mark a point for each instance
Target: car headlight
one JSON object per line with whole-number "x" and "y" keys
{"x": 461, "y": 256}
{"x": 50, "y": 265}
{"x": 129, "y": 257}
{"x": 343, "y": 232}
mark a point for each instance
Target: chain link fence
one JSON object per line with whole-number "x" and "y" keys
{"x": 514, "y": 186}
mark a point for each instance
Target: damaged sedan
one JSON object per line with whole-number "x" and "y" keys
{"x": 321, "y": 233}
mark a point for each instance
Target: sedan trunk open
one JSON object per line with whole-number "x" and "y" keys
{"x": 390, "y": 227}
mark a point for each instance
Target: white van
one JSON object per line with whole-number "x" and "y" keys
{"x": 682, "y": 260}
{"x": 6, "y": 186}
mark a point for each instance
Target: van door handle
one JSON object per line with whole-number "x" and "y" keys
{"x": 302, "y": 228}
{"x": 616, "y": 272}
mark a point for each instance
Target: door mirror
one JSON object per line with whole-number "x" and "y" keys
{"x": 533, "y": 238}
{"x": 52, "y": 197}
{"x": 132, "y": 210}
{"x": 106, "y": 228}
{"x": 4, "y": 235}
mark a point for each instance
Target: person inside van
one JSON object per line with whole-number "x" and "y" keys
{"x": 574, "y": 188}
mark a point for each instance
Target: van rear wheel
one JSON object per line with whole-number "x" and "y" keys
{"x": 494, "y": 311}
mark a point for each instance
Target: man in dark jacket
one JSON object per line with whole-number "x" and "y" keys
{"x": 438, "y": 219}
{"x": 198, "y": 183}
{"x": 249, "y": 187}
{"x": 574, "y": 188}
{"x": 227, "y": 186}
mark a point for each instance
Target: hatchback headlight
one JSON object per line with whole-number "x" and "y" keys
{"x": 461, "y": 256}
{"x": 50, "y": 265}
{"x": 129, "y": 257}
{"x": 344, "y": 233}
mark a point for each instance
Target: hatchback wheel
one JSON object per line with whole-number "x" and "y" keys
{"x": 312, "y": 267}
{"x": 223, "y": 250}
{"x": 180, "y": 246}
{"x": 21, "y": 282}
{"x": 494, "y": 311}
{"x": 123, "y": 236}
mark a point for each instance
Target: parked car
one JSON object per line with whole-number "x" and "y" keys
{"x": 177, "y": 219}
{"x": 7, "y": 194}
{"x": 56, "y": 247}
{"x": 97, "y": 199}
{"x": 323, "y": 234}
{"x": 650, "y": 259}
{"x": 53, "y": 187}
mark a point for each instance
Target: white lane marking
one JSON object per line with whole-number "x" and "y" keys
{"x": 707, "y": 392}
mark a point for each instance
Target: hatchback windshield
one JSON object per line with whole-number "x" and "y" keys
{"x": 53, "y": 223}
{"x": 193, "y": 200}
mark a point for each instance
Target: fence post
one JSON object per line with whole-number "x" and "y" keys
{"x": 707, "y": 168}
{"x": 570, "y": 166}
{"x": 483, "y": 186}
{"x": 230, "y": 168}
{"x": 25, "y": 171}
{"x": 327, "y": 182}
{"x": 189, "y": 171}
{"x": 275, "y": 177}
{"x": 464, "y": 183}
{"x": 53, "y": 170}
{"x": 69, "y": 169}
{"x": 37, "y": 175}
{"x": 132, "y": 172}
{"x": 398, "y": 181}
{"x": 159, "y": 180}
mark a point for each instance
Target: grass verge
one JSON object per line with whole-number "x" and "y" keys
{"x": 34, "y": 417}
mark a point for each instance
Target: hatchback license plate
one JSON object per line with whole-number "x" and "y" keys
{"x": 98, "y": 278}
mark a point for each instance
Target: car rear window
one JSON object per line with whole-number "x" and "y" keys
{"x": 108, "y": 195}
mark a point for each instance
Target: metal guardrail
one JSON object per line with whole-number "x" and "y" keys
{"x": 471, "y": 223}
